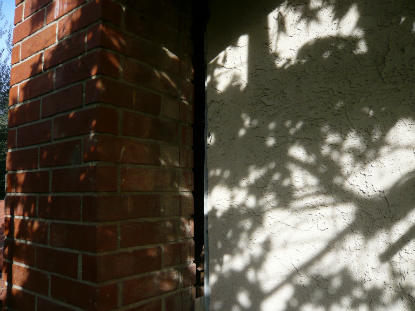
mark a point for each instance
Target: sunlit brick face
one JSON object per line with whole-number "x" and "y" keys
{"x": 99, "y": 206}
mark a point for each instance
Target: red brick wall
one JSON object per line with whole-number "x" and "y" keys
{"x": 1, "y": 229}
{"x": 99, "y": 186}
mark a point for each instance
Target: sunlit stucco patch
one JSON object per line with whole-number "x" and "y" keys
{"x": 311, "y": 162}
{"x": 231, "y": 66}
{"x": 289, "y": 31}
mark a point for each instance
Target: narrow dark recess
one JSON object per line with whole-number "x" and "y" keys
{"x": 200, "y": 17}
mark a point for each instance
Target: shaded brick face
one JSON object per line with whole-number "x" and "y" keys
{"x": 98, "y": 212}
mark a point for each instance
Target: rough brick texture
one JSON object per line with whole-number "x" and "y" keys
{"x": 99, "y": 208}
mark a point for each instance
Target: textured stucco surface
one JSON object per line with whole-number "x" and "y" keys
{"x": 311, "y": 155}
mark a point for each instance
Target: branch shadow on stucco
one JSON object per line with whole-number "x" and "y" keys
{"x": 310, "y": 158}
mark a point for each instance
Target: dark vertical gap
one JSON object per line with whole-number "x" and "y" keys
{"x": 199, "y": 23}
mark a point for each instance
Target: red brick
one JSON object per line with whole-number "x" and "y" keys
{"x": 18, "y": 14}
{"x": 98, "y": 62}
{"x": 118, "y": 94}
{"x": 169, "y": 155}
{"x": 170, "y": 108}
{"x": 85, "y": 296}
{"x": 101, "y": 208}
{"x": 186, "y": 227}
{"x": 188, "y": 275}
{"x": 86, "y": 15}
{"x": 107, "y": 37}
{"x": 2, "y": 209}
{"x": 39, "y": 41}
{"x": 140, "y": 49}
{"x": 26, "y": 69}
{"x": 180, "y": 301}
{"x": 186, "y": 182}
{"x": 152, "y": 29}
{"x": 147, "y": 127}
{"x": 64, "y": 100}
{"x": 152, "y": 306}
{"x": 85, "y": 179}
{"x": 165, "y": 11}
{"x": 21, "y": 252}
{"x": 20, "y": 300}
{"x": 20, "y": 205}
{"x": 145, "y": 76}
{"x": 59, "y": 8}
{"x": 29, "y": 230}
{"x": 186, "y": 113}
{"x": 60, "y": 207}
{"x": 36, "y": 86}
{"x": 43, "y": 304}
{"x": 149, "y": 286}
{"x": 186, "y": 157}
{"x": 15, "y": 54}
{"x": 187, "y": 135}
{"x": 18, "y": 2}
{"x": 28, "y": 182}
{"x": 157, "y": 56}
{"x": 11, "y": 139}
{"x": 34, "y": 134}
{"x": 22, "y": 159}
{"x": 171, "y": 205}
{"x": 145, "y": 140}
{"x": 84, "y": 237}
{"x": 66, "y": 153}
{"x": 99, "y": 119}
{"x": 64, "y": 50}
{"x": 178, "y": 253}
{"x": 187, "y": 204}
{"x": 108, "y": 267}
{"x": 29, "y": 26}
{"x": 57, "y": 261}
{"x": 32, "y": 6}
{"x": 143, "y": 233}
{"x": 13, "y": 95}
{"x": 117, "y": 149}
{"x": 110, "y": 11}
{"x": 109, "y": 92}
{"x": 144, "y": 179}
{"x": 25, "y": 113}
{"x": 186, "y": 91}
{"x": 3, "y": 290}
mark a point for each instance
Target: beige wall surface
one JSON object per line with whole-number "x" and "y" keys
{"x": 311, "y": 155}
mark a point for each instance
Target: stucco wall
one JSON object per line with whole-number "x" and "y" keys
{"x": 311, "y": 155}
